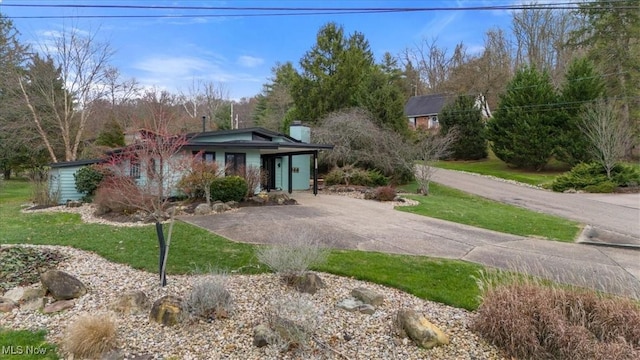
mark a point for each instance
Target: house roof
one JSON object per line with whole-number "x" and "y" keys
{"x": 253, "y": 130}
{"x": 64, "y": 164}
{"x": 265, "y": 147}
{"x": 425, "y": 105}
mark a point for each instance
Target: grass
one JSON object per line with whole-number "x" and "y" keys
{"x": 453, "y": 205}
{"x": 194, "y": 248}
{"x": 25, "y": 345}
{"x": 498, "y": 168}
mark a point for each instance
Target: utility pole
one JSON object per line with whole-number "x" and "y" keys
{"x": 232, "y": 115}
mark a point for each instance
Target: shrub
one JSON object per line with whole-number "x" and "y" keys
{"x": 334, "y": 177}
{"x": 199, "y": 179}
{"x": 386, "y": 193}
{"x": 592, "y": 177}
{"x": 295, "y": 253}
{"x": 377, "y": 178}
{"x": 87, "y": 180}
{"x": 293, "y": 320}
{"x": 253, "y": 176}
{"x": 358, "y": 177}
{"x": 209, "y": 298}
{"x": 90, "y": 336}
{"x": 529, "y": 320}
{"x": 229, "y": 188}
{"x": 41, "y": 194}
{"x": 116, "y": 194}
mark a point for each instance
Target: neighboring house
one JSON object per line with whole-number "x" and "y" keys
{"x": 286, "y": 159}
{"x": 422, "y": 111}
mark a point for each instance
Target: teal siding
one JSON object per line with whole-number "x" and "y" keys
{"x": 301, "y": 177}
{"x": 62, "y": 184}
{"x": 225, "y": 137}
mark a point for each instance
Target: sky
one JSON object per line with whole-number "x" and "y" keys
{"x": 235, "y": 48}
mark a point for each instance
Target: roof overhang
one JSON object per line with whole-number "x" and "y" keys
{"x": 265, "y": 148}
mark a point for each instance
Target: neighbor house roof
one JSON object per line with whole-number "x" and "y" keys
{"x": 425, "y": 105}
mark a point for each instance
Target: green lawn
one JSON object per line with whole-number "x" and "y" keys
{"x": 453, "y": 205}
{"x": 496, "y": 167}
{"x": 447, "y": 281}
{"x": 25, "y": 345}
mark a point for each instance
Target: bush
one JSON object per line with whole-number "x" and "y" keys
{"x": 229, "y": 188}
{"x": 116, "y": 193}
{"x": 533, "y": 321}
{"x": 593, "y": 178}
{"x": 201, "y": 175}
{"x": 293, "y": 320}
{"x": 90, "y": 336}
{"x": 348, "y": 175}
{"x": 87, "y": 180}
{"x": 386, "y": 193}
{"x": 295, "y": 253}
{"x": 209, "y": 298}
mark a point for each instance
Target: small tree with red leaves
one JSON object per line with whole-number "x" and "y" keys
{"x": 154, "y": 164}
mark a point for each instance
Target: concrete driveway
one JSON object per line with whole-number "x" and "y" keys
{"x": 348, "y": 223}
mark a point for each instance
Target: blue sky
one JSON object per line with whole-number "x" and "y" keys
{"x": 239, "y": 51}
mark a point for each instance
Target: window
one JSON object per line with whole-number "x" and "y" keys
{"x": 235, "y": 163}
{"x": 134, "y": 168}
{"x": 207, "y": 156}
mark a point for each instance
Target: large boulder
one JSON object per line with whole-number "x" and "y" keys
{"x": 202, "y": 209}
{"x": 131, "y": 303}
{"x": 420, "y": 330}
{"x": 168, "y": 310}
{"x": 368, "y": 296}
{"x": 308, "y": 283}
{"x": 62, "y": 286}
{"x": 7, "y": 305}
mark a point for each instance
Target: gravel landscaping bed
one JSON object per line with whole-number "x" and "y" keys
{"x": 370, "y": 336}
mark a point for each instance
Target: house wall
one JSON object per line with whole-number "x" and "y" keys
{"x": 225, "y": 137}
{"x": 62, "y": 184}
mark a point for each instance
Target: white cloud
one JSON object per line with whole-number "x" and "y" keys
{"x": 250, "y": 61}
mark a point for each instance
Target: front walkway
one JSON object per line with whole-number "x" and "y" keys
{"x": 348, "y": 223}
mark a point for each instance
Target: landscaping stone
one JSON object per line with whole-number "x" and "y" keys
{"x": 232, "y": 204}
{"x": 131, "y": 303}
{"x": 7, "y": 305}
{"x": 350, "y": 304}
{"x": 202, "y": 209}
{"x": 261, "y": 335}
{"x": 74, "y": 203}
{"x": 58, "y": 306}
{"x": 367, "y": 296}
{"x": 34, "y": 304}
{"x": 168, "y": 310}
{"x": 62, "y": 286}
{"x": 220, "y": 207}
{"x": 367, "y": 309}
{"x": 420, "y": 330}
{"x": 308, "y": 283}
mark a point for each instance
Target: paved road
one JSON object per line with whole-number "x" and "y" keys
{"x": 614, "y": 212}
{"x": 348, "y": 223}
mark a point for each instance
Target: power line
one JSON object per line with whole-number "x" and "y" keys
{"x": 284, "y": 11}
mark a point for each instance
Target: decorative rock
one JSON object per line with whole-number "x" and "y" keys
{"x": 367, "y": 309}
{"x": 369, "y": 195}
{"x": 232, "y": 204}
{"x": 350, "y": 304}
{"x": 15, "y": 294}
{"x": 6, "y": 304}
{"x": 308, "y": 283}
{"x": 22, "y": 295}
{"x": 131, "y": 303}
{"x": 220, "y": 207}
{"x": 261, "y": 335}
{"x": 61, "y": 285}
{"x": 33, "y": 304}
{"x": 168, "y": 310}
{"x": 421, "y": 330}
{"x": 58, "y": 306}
{"x": 202, "y": 209}
{"x": 74, "y": 204}
{"x": 367, "y": 296}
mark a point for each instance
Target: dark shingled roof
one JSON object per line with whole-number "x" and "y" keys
{"x": 425, "y": 105}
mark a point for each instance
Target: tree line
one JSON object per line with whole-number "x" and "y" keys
{"x": 67, "y": 102}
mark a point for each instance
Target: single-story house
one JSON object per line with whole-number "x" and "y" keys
{"x": 290, "y": 161}
{"x": 422, "y": 111}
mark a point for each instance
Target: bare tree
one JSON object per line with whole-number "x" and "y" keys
{"x": 358, "y": 141}
{"x": 81, "y": 61}
{"x": 144, "y": 176}
{"x": 433, "y": 64}
{"x": 204, "y": 99}
{"x": 430, "y": 149}
{"x": 160, "y": 109}
{"x": 541, "y": 35}
{"x": 608, "y": 133}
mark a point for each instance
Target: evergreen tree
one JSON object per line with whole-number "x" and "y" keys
{"x": 112, "y": 135}
{"x": 464, "y": 116}
{"x": 525, "y": 127}
{"x": 583, "y": 85}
